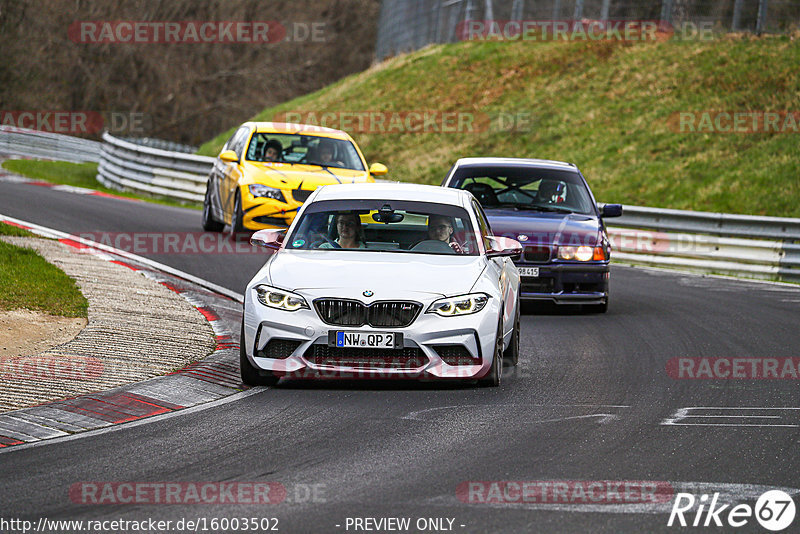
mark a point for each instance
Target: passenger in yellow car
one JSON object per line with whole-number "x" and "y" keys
{"x": 351, "y": 233}
{"x": 325, "y": 151}
{"x": 272, "y": 150}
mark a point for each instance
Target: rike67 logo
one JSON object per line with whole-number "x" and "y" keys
{"x": 774, "y": 511}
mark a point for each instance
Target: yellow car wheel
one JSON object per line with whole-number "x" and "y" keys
{"x": 209, "y": 223}
{"x": 237, "y": 220}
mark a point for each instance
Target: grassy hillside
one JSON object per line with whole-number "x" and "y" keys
{"x": 606, "y": 106}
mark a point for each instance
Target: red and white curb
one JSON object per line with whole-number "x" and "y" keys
{"x": 206, "y": 381}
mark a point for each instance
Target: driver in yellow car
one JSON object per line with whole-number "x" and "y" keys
{"x": 272, "y": 150}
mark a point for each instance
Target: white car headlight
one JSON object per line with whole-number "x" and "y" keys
{"x": 461, "y": 305}
{"x": 261, "y": 190}
{"x": 279, "y": 299}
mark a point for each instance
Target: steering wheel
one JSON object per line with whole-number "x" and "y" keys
{"x": 325, "y": 239}
{"x": 433, "y": 245}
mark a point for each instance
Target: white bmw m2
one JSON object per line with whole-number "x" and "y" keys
{"x": 383, "y": 281}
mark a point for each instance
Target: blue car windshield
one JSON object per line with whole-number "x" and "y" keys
{"x": 384, "y": 225}
{"x": 527, "y": 188}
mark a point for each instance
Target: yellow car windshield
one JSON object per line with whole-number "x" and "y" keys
{"x": 303, "y": 149}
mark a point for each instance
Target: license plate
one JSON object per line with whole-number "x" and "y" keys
{"x": 374, "y": 340}
{"x": 529, "y": 271}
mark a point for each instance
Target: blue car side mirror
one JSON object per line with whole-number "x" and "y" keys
{"x": 611, "y": 210}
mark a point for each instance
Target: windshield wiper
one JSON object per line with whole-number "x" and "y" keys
{"x": 536, "y": 207}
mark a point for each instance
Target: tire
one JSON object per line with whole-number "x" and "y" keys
{"x": 511, "y": 354}
{"x": 209, "y": 223}
{"x": 250, "y": 375}
{"x": 492, "y": 379}
{"x": 237, "y": 220}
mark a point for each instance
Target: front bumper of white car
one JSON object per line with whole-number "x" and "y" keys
{"x": 299, "y": 344}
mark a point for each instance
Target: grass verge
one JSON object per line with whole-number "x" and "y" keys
{"x": 28, "y": 281}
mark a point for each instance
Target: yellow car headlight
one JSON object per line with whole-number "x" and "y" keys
{"x": 263, "y": 191}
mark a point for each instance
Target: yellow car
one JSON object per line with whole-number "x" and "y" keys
{"x": 267, "y": 170}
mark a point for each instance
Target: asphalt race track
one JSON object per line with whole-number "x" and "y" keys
{"x": 591, "y": 400}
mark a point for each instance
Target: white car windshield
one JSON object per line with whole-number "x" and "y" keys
{"x": 385, "y": 225}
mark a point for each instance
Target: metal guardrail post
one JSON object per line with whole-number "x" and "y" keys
{"x": 518, "y": 10}
{"x": 737, "y": 15}
{"x": 604, "y": 9}
{"x": 578, "y": 13}
{"x": 666, "y": 11}
{"x": 761, "y": 22}
{"x": 489, "y": 11}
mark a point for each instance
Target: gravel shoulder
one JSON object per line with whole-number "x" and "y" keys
{"x": 137, "y": 329}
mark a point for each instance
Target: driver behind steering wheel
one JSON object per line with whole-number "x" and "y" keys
{"x": 440, "y": 228}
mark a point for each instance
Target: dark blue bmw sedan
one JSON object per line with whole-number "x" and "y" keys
{"x": 548, "y": 207}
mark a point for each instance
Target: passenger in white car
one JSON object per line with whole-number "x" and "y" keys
{"x": 351, "y": 233}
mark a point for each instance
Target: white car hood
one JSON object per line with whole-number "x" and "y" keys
{"x": 348, "y": 274}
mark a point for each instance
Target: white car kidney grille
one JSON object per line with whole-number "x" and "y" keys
{"x": 389, "y": 313}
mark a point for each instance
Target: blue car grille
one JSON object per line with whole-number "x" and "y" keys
{"x": 537, "y": 254}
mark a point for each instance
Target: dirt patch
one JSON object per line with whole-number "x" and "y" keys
{"x": 24, "y": 332}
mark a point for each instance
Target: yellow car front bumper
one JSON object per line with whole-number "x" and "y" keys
{"x": 261, "y": 212}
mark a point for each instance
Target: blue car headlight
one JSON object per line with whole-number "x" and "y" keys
{"x": 581, "y": 253}
{"x": 280, "y": 299}
{"x": 461, "y": 305}
{"x": 263, "y": 191}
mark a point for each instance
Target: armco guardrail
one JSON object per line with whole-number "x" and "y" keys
{"x": 739, "y": 245}
{"x": 142, "y": 169}
{"x": 46, "y": 145}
